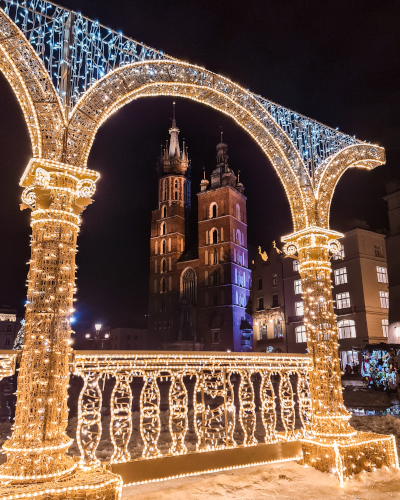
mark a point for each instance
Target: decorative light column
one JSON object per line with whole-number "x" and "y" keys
{"x": 333, "y": 444}
{"x": 36, "y": 452}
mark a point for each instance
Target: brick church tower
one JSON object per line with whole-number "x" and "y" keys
{"x": 224, "y": 276}
{"x": 198, "y": 296}
{"x": 171, "y": 318}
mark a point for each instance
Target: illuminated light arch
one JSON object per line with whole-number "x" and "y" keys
{"x": 366, "y": 156}
{"x": 179, "y": 79}
{"x": 34, "y": 90}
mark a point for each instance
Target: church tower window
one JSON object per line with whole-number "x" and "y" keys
{"x": 163, "y": 266}
{"x": 164, "y": 212}
{"x": 237, "y": 211}
{"x": 163, "y": 228}
{"x": 188, "y": 287}
{"x": 214, "y": 236}
{"x": 163, "y": 247}
{"x": 163, "y": 287}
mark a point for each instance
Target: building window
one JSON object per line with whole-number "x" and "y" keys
{"x": 163, "y": 286}
{"x": 176, "y": 195}
{"x": 8, "y": 341}
{"x": 260, "y": 303}
{"x": 163, "y": 266}
{"x": 263, "y": 330}
{"x": 237, "y": 212}
{"x": 274, "y": 279}
{"x": 164, "y": 212}
{"x": 164, "y": 190}
{"x": 9, "y": 328}
{"x": 214, "y": 236}
{"x": 301, "y": 334}
{"x": 215, "y": 256}
{"x": 299, "y": 309}
{"x": 346, "y": 329}
{"x": 340, "y": 276}
{"x": 260, "y": 283}
{"x": 189, "y": 284}
{"x": 384, "y": 296}
{"x": 297, "y": 287}
{"x": 163, "y": 246}
{"x": 278, "y": 333}
{"x": 213, "y": 211}
{"x": 163, "y": 228}
{"x": 378, "y": 251}
{"x": 275, "y": 301}
{"x": 340, "y": 254}
{"x": 382, "y": 274}
{"x": 342, "y": 300}
{"x": 385, "y": 327}
{"x": 215, "y": 335}
{"x": 296, "y": 266}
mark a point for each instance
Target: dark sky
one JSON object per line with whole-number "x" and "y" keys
{"x": 335, "y": 61}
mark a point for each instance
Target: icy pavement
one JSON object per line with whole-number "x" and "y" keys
{"x": 273, "y": 482}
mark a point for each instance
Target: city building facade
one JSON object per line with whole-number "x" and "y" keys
{"x": 128, "y": 338}
{"x": 360, "y": 292}
{"x": 393, "y": 260}
{"x": 9, "y": 327}
{"x": 199, "y": 293}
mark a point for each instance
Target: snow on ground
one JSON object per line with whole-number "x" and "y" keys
{"x": 285, "y": 481}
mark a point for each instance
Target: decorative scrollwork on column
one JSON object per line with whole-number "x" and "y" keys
{"x": 150, "y": 422}
{"x": 268, "y": 407}
{"x": 287, "y": 404}
{"x": 88, "y": 433}
{"x": 178, "y": 414}
{"x": 121, "y": 417}
{"x": 247, "y": 415}
{"x": 305, "y": 403}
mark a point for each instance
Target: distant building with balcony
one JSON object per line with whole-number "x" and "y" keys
{"x": 359, "y": 289}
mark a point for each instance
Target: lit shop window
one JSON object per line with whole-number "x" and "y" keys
{"x": 382, "y": 274}
{"x": 346, "y": 329}
{"x": 340, "y": 276}
{"x": 342, "y": 300}
{"x": 384, "y": 296}
{"x": 301, "y": 334}
{"x": 297, "y": 287}
{"x": 385, "y": 327}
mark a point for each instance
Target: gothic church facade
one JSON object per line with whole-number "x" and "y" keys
{"x": 199, "y": 296}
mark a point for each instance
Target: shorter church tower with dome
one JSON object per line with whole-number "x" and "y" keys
{"x": 199, "y": 297}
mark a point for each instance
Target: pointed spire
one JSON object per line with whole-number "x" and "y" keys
{"x": 174, "y": 132}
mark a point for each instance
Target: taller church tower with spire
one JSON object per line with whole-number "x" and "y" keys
{"x": 198, "y": 296}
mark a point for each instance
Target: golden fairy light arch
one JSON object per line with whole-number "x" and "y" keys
{"x": 34, "y": 90}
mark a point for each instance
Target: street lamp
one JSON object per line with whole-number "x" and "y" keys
{"x": 97, "y": 337}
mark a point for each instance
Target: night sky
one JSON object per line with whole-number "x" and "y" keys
{"x": 335, "y": 61}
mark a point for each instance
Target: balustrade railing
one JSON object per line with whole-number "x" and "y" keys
{"x": 220, "y": 388}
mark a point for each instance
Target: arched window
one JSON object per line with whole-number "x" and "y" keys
{"x": 237, "y": 211}
{"x": 163, "y": 266}
{"x": 176, "y": 195}
{"x": 165, "y": 190}
{"x": 346, "y": 329}
{"x": 238, "y": 237}
{"x": 215, "y": 256}
{"x": 163, "y": 287}
{"x": 164, "y": 211}
{"x": 163, "y": 246}
{"x": 213, "y": 211}
{"x": 176, "y": 184}
{"x": 214, "y": 236}
{"x": 188, "y": 284}
{"x": 176, "y": 190}
{"x": 163, "y": 228}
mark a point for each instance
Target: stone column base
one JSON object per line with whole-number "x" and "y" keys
{"x": 365, "y": 451}
{"x": 92, "y": 484}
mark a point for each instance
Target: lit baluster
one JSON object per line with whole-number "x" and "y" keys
{"x": 287, "y": 404}
{"x": 150, "y": 422}
{"x": 121, "y": 417}
{"x": 247, "y": 414}
{"x": 305, "y": 402}
{"x": 268, "y": 407}
{"x": 88, "y": 433}
{"x": 178, "y": 414}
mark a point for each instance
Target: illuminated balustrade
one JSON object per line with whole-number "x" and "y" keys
{"x": 278, "y": 382}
